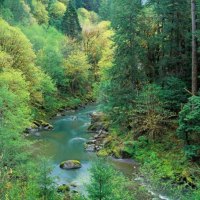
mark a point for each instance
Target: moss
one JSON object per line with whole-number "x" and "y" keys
{"x": 63, "y": 188}
{"x": 70, "y": 164}
{"x": 62, "y": 164}
{"x": 108, "y": 140}
{"x": 36, "y": 123}
{"x": 76, "y": 162}
{"x": 33, "y": 125}
{"x": 116, "y": 152}
{"x": 103, "y": 153}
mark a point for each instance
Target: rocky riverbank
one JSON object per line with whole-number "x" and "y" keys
{"x": 99, "y": 131}
{"x": 37, "y": 126}
{"x": 102, "y": 141}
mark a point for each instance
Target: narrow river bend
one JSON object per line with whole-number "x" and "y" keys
{"x": 66, "y": 142}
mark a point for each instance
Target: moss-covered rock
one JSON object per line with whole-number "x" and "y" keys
{"x": 107, "y": 141}
{"x": 70, "y": 164}
{"x": 116, "y": 152}
{"x": 102, "y": 153}
{"x": 42, "y": 125}
{"x": 63, "y": 188}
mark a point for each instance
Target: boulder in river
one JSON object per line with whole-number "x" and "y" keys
{"x": 70, "y": 164}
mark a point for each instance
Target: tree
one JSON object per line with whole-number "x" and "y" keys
{"x": 105, "y": 9}
{"x": 47, "y": 187}
{"x": 194, "y": 49}
{"x": 77, "y": 73}
{"x": 16, "y": 45}
{"x": 70, "y": 22}
{"x": 98, "y": 47}
{"x": 47, "y": 43}
{"x": 189, "y": 128}
{"x": 16, "y": 11}
{"x": 40, "y": 12}
{"x": 107, "y": 183}
{"x": 169, "y": 47}
{"x": 149, "y": 117}
{"x": 124, "y": 76}
{"x": 174, "y": 93}
{"x": 56, "y": 13}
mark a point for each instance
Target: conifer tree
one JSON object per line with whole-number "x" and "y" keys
{"x": 124, "y": 75}
{"x": 70, "y": 22}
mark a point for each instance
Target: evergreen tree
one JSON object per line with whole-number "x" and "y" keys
{"x": 125, "y": 74}
{"x": 91, "y": 5}
{"x": 70, "y": 22}
{"x": 172, "y": 38}
{"x": 107, "y": 183}
{"x": 189, "y": 127}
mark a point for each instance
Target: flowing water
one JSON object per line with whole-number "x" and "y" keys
{"x": 66, "y": 142}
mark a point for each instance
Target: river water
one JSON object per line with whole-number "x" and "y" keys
{"x": 66, "y": 142}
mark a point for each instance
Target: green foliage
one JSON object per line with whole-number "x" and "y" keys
{"x": 40, "y": 12}
{"x": 98, "y": 48}
{"x": 124, "y": 74}
{"x": 107, "y": 183}
{"x": 56, "y": 13}
{"x": 14, "y": 101}
{"x": 70, "y": 22}
{"x": 47, "y": 186}
{"x": 87, "y": 17}
{"x": 105, "y": 10}
{"x": 47, "y": 45}
{"x": 15, "y": 44}
{"x": 45, "y": 70}
{"x": 149, "y": 116}
{"x": 168, "y": 45}
{"x": 76, "y": 72}
{"x": 16, "y": 11}
{"x": 174, "y": 93}
{"x": 189, "y": 128}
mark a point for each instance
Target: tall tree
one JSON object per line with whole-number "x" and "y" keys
{"x": 171, "y": 34}
{"x": 70, "y": 22}
{"x": 194, "y": 49}
{"x": 124, "y": 75}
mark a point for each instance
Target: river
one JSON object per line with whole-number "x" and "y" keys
{"x": 66, "y": 142}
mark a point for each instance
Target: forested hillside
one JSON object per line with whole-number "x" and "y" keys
{"x": 138, "y": 60}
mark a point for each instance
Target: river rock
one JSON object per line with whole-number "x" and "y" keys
{"x": 70, "y": 164}
{"x": 58, "y": 115}
{"x": 91, "y": 141}
{"x": 37, "y": 126}
{"x": 96, "y": 116}
{"x": 90, "y": 148}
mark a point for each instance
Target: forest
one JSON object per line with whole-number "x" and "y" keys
{"x": 136, "y": 62}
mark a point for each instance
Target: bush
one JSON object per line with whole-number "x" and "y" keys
{"x": 189, "y": 127}
{"x": 149, "y": 117}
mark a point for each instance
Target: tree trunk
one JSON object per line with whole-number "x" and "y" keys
{"x": 194, "y": 49}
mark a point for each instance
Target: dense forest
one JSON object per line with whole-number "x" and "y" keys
{"x": 137, "y": 60}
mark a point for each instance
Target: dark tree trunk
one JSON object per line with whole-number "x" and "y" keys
{"x": 194, "y": 49}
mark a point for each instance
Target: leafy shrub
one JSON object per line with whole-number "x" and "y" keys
{"x": 189, "y": 127}
{"x": 149, "y": 117}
